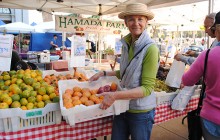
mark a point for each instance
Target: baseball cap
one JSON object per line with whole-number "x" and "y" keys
{"x": 217, "y": 20}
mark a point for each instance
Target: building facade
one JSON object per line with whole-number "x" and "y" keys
{"x": 8, "y": 15}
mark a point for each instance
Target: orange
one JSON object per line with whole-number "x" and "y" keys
{"x": 15, "y": 104}
{"x": 31, "y": 99}
{"x": 39, "y": 98}
{"x": 13, "y": 81}
{"x": 33, "y": 74}
{"x": 40, "y": 104}
{"x": 23, "y": 107}
{"x": 86, "y": 94}
{"x": 50, "y": 89}
{"x": 30, "y": 106}
{"x": 94, "y": 91}
{"x": 52, "y": 95}
{"x": 75, "y": 98}
{"x": 7, "y": 100}
{"x": 23, "y": 101}
{"x": 38, "y": 72}
{"x": 67, "y": 100}
{"x": 70, "y": 91}
{"x": 89, "y": 102}
{"x": 93, "y": 98}
{"x": 83, "y": 99}
{"x": 8, "y": 82}
{"x": 85, "y": 90}
{"x": 41, "y": 91}
{"x": 15, "y": 97}
{"x": 77, "y": 102}
{"x": 3, "y": 95}
{"x": 3, "y": 105}
{"x": 45, "y": 97}
{"x": 66, "y": 96}
{"x": 6, "y": 77}
{"x": 77, "y": 89}
{"x": 39, "y": 78}
{"x": 77, "y": 94}
{"x": 113, "y": 86}
{"x": 68, "y": 105}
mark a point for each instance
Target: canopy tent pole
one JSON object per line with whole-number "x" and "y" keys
{"x": 63, "y": 39}
{"x": 19, "y": 48}
{"x": 210, "y": 10}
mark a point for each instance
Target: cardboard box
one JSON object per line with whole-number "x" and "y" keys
{"x": 44, "y": 57}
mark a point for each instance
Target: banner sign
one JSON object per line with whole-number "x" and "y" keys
{"x": 6, "y": 43}
{"x": 75, "y": 24}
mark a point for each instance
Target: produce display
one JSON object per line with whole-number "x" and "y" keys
{"x": 53, "y": 79}
{"x": 85, "y": 96}
{"x": 25, "y": 89}
{"x": 161, "y": 86}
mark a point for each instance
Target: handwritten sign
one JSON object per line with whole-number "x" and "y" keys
{"x": 6, "y": 43}
{"x": 74, "y": 24}
{"x": 118, "y": 46}
{"x": 78, "y": 51}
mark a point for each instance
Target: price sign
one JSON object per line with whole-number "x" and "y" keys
{"x": 78, "y": 51}
{"x": 118, "y": 46}
{"x": 6, "y": 43}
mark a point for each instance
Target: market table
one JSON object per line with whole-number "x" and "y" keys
{"x": 91, "y": 129}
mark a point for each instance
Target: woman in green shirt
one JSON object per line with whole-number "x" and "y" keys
{"x": 138, "y": 69}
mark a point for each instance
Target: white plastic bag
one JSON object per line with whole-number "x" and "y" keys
{"x": 175, "y": 74}
{"x": 183, "y": 97}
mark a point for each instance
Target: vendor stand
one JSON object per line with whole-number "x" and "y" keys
{"x": 94, "y": 128}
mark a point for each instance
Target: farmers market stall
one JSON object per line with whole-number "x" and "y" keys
{"x": 91, "y": 129}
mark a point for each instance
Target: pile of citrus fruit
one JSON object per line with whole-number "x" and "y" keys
{"x": 25, "y": 89}
{"x": 53, "y": 79}
{"x": 76, "y": 96}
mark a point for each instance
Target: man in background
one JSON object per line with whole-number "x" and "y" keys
{"x": 54, "y": 43}
{"x": 208, "y": 22}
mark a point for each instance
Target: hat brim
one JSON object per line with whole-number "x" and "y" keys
{"x": 148, "y": 14}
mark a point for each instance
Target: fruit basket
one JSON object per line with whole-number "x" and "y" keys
{"x": 164, "y": 97}
{"x": 81, "y": 113}
{"x": 15, "y": 119}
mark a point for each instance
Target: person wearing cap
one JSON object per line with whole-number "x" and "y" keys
{"x": 208, "y": 22}
{"x": 210, "y": 112}
{"x": 138, "y": 68}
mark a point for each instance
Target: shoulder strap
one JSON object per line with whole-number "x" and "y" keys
{"x": 130, "y": 62}
{"x": 203, "y": 83}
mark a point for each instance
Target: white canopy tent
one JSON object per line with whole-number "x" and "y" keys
{"x": 17, "y": 27}
{"x": 45, "y": 27}
{"x": 91, "y": 7}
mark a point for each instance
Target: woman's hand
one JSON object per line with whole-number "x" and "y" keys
{"x": 177, "y": 57}
{"x": 96, "y": 76}
{"x": 109, "y": 99}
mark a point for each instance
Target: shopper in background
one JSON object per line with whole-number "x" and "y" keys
{"x": 208, "y": 22}
{"x": 54, "y": 43}
{"x": 210, "y": 112}
{"x": 138, "y": 69}
{"x": 93, "y": 47}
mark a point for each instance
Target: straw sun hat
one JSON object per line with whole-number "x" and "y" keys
{"x": 136, "y": 9}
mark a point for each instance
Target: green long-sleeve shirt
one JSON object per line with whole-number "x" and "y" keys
{"x": 149, "y": 68}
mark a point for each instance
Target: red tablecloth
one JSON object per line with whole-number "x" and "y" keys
{"x": 90, "y": 129}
